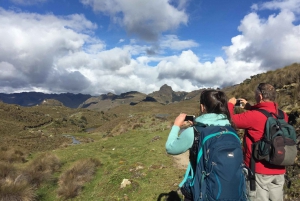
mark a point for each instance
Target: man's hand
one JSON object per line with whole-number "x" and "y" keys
{"x": 245, "y": 104}
{"x": 232, "y": 100}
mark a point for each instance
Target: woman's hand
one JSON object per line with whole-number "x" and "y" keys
{"x": 179, "y": 121}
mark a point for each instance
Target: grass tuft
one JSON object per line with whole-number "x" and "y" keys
{"x": 16, "y": 190}
{"x": 12, "y": 155}
{"x": 6, "y": 170}
{"x": 71, "y": 181}
{"x": 41, "y": 169}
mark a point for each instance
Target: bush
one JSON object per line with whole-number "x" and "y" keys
{"x": 41, "y": 169}
{"x": 14, "y": 190}
{"x": 6, "y": 170}
{"x": 71, "y": 181}
{"x": 12, "y": 155}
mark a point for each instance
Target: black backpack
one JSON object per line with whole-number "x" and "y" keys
{"x": 278, "y": 145}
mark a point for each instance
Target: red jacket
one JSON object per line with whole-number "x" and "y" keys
{"x": 254, "y": 124}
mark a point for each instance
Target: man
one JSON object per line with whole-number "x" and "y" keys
{"x": 269, "y": 178}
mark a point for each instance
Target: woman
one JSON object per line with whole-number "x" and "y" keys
{"x": 214, "y": 112}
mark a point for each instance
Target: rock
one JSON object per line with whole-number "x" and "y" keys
{"x": 155, "y": 138}
{"x": 124, "y": 183}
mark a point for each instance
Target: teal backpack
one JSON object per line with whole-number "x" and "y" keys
{"x": 278, "y": 145}
{"x": 216, "y": 168}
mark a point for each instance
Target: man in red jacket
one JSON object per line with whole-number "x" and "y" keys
{"x": 269, "y": 178}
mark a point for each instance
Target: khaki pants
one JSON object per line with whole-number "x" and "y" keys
{"x": 268, "y": 187}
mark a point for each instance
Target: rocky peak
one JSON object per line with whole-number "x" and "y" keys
{"x": 166, "y": 88}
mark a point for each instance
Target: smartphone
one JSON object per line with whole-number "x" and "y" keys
{"x": 189, "y": 118}
{"x": 238, "y": 103}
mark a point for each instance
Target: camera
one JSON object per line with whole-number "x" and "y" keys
{"x": 238, "y": 103}
{"x": 189, "y": 118}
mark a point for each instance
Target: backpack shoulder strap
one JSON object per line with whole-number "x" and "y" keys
{"x": 280, "y": 114}
{"x": 265, "y": 112}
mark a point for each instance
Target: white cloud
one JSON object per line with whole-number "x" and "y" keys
{"x": 62, "y": 54}
{"x": 264, "y": 44}
{"x": 291, "y": 5}
{"x": 32, "y": 43}
{"x": 172, "y": 42}
{"x": 269, "y": 43}
{"x": 28, "y": 2}
{"x": 144, "y": 18}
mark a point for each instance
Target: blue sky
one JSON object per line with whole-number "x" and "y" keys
{"x": 100, "y": 46}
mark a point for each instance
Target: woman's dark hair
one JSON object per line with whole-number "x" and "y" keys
{"x": 215, "y": 101}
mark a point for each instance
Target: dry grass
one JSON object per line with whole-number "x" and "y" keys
{"x": 12, "y": 155}
{"x": 20, "y": 185}
{"x": 71, "y": 182}
{"x": 6, "y": 170}
{"x": 16, "y": 190}
{"x": 41, "y": 169}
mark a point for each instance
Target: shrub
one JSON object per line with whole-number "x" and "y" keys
{"x": 14, "y": 190}
{"x": 71, "y": 181}
{"x": 41, "y": 169}
{"x": 6, "y": 170}
{"x": 136, "y": 125}
{"x": 12, "y": 155}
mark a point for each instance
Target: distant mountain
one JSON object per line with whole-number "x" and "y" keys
{"x": 165, "y": 95}
{"x": 110, "y": 100}
{"x": 51, "y": 102}
{"x": 34, "y": 98}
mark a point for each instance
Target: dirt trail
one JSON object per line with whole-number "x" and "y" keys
{"x": 182, "y": 160}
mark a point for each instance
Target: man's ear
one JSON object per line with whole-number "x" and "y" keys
{"x": 260, "y": 98}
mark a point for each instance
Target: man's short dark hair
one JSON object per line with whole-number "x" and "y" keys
{"x": 267, "y": 91}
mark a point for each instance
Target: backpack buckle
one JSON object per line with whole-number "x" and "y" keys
{"x": 221, "y": 132}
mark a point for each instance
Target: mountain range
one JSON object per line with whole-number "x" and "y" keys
{"x": 164, "y": 95}
{"x": 28, "y": 99}
{"x": 286, "y": 81}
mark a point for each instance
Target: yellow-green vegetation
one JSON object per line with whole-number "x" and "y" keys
{"x": 120, "y": 145}
{"x": 57, "y": 153}
{"x": 138, "y": 156}
{"x": 72, "y": 180}
{"x": 20, "y": 181}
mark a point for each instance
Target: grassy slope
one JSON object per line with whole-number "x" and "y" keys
{"x": 124, "y": 154}
{"x": 122, "y": 157}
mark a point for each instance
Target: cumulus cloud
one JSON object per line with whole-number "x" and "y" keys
{"x": 264, "y": 44}
{"x": 32, "y": 44}
{"x": 144, "y": 18}
{"x": 57, "y": 54}
{"x": 28, "y": 2}
{"x": 270, "y": 43}
{"x": 291, "y": 5}
{"x": 172, "y": 42}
